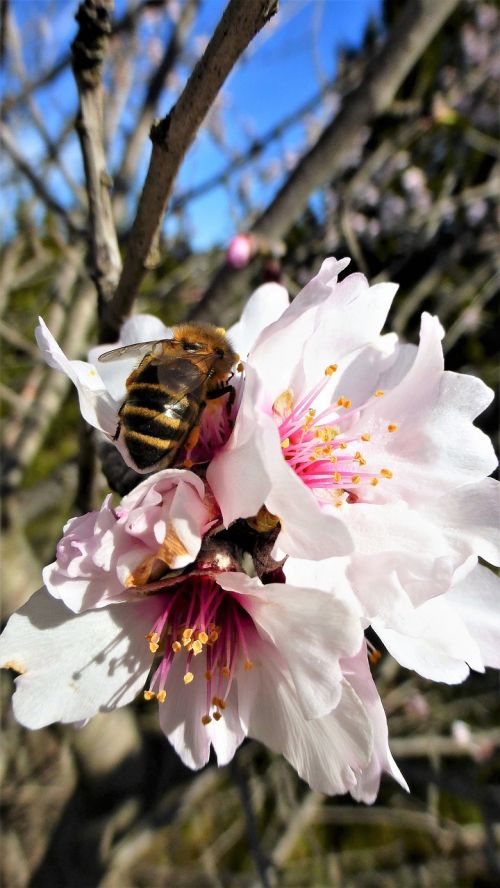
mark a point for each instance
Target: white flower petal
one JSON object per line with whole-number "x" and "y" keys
{"x": 266, "y": 304}
{"x": 330, "y": 752}
{"x": 360, "y": 679}
{"x": 476, "y": 600}
{"x": 97, "y": 406}
{"x": 311, "y": 630}
{"x": 470, "y": 516}
{"x": 180, "y": 714}
{"x": 435, "y": 643}
{"x": 75, "y": 666}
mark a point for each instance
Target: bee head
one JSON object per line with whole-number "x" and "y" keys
{"x": 205, "y": 339}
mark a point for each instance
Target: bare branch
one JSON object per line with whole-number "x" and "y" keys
{"x": 417, "y": 25}
{"x": 173, "y": 135}
{"x": 89, "y": 49}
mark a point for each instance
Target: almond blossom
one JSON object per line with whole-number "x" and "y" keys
{"x": 364, "y": 447}
{"x": 223, "y": 654}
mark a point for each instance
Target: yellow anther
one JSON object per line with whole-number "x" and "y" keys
{"x": 187, "y": 633}
{"x": 206, "y": 719}
{"x": 339, "y": 503}
{"x": 347, "y": 403}
{"x": 240, "y": 367}
{"x": 379, "y": 393}
{"x": 188, "y": 678}
{"x": 337, "y": 477}
{"x": 197, "y": 647}
{"x": 386, "y": 473}
{"x": 343, "y": 446}
{"x": 340, "y": 402}
{"x": 153, "y": 647}
{"x": 188, "y": 464}
{"x": 217, "y": 716}
{"x": 212, "y": 638}
{"x": 221, "y": 330}
{"x": 226, "y": 672}
{"x": 366, "y": 437}
{"x": 311, "y": 412}
{"x": 148, "y": 695}
{"x": 203, "y": 637}
{"x": 248, "y": 665}
{"x": 333, "y": 459}
{"x": 153, "y": 637}
{"x": 161, "y": 696}
{"x": 392, "y": 427}
{"x": 374, "y": 482}
{"x": 332, "y": 368}
{"x": 285, "y": 443}
{"x": 176, "y": 647}
{"x": 374, "y": 656}
{"x": 356, "y": 479}
{"x": 209, "y": 675}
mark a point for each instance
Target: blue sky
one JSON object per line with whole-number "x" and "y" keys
{"x": 284, "y": 67}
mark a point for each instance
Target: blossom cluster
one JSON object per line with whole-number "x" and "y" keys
{"x": 344, "y": 487}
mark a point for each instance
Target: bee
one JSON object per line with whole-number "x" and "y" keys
{"x": 169, "y": 389}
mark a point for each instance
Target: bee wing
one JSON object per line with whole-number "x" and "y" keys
{"x": 134, "y": 350}
{"x": 182, "y": 375}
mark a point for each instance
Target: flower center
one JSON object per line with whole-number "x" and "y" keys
{"x": 324, "y": 447}
{"x": 200, "y": 618}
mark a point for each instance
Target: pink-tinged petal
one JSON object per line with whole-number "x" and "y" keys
{"x": 328, "y": 753}
{"x": 311, "y": 630}
{"x": 103, "y": 555}
{"x": 358, "y": 673}
{"x": 72, "y": 667}
{"x": 471, "y": 518}
{"x": 352, "y": 317}
{"x": 266, "y": 304}
{"x": 436, "y": 445}
{"x": 97, "y": 406}
{"x": 476, "y": 600}
{"x": 435, "y": 643}
{"x": 278, "y": 349}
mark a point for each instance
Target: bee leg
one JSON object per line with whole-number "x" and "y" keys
{"x": 224, "y": 390}
{"x": 194, "y": 436}
{"x": 117, "y": 433}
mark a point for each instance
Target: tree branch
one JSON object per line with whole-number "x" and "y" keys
{"x": 417, "y": 25}
{"x": 173, "y": 135}
{"x": 89, "y": 49}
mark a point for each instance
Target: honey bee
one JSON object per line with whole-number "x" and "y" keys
{"x": 168, "y": 391}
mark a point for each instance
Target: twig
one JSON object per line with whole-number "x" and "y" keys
{"x": 39, "y": 187}
{"x": 126, "y": 23}
{"x": 89, "y": 49}
{"x": 429, "y": 745}
{"x": 172, "y": 137}
{"x": 142, "y": 125}
{"x": 260, "y": 859}
{"x": 256, "y": 147}
{"x": 416, "y": 26}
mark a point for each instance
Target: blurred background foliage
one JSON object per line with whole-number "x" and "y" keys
{"x": 417, "y": 202}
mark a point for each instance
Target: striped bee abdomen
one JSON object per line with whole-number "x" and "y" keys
{"x": 155, "y": 423}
